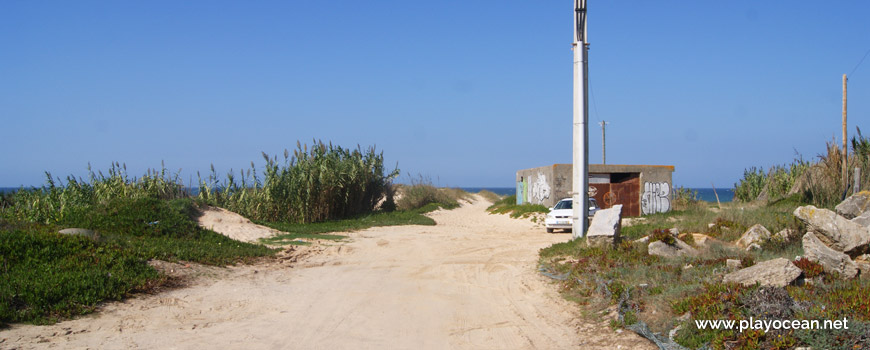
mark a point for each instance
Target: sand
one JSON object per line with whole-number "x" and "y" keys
{"x": 233, "y": 225}
{"x": 468, "y": 283}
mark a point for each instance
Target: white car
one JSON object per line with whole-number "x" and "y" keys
{"x": 559, "y": 216}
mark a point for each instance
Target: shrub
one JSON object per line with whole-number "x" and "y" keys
{"x": 664, "y": 235}
{"x": 421, "y": 192}
{"x": 810, "y": 268}
{"x": 750, "y": 186}
{"x": 324, "y": 183}
{"x": 684, "y": 198}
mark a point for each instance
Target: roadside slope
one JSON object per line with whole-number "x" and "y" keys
{"x": 467, "y": 283}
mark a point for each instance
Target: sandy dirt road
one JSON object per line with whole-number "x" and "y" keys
{"x": 468, "y": 283}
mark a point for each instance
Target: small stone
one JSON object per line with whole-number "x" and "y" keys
{"x": 733, "y": 264}
{"x": 755, "y": 235}
{"x": 701, "y": 239}
{"x": 679, "y": 248}
{"x": 785, "y": 234}
{"x": 80, "y": 232}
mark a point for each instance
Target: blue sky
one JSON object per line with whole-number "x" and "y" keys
{"x": 465, "y": 92}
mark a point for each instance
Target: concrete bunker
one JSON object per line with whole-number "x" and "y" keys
{"x": 641, "y": 189}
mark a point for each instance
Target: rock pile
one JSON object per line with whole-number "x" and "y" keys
{"x": 838, "y": 240}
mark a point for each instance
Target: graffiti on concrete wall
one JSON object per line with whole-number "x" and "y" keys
{"x": 540, "y": 189}
{"x": 656, "y": 197}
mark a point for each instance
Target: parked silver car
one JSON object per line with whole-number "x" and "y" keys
{"x": 559, "y": 216}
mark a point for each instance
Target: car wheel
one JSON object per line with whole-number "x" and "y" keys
{"x": 549, "y": 230}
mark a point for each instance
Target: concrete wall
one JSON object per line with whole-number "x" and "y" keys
{"x": 549, "y": 184}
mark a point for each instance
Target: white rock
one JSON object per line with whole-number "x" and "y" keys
{"x": 831, "y": 260}
{"x": 777, "y": 272}
{"x": 605, "y": 227}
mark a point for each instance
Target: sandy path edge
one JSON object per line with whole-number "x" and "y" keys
{"x": 468, "y": 283}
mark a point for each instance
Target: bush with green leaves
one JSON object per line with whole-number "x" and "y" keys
{"x": 322, "y": 183}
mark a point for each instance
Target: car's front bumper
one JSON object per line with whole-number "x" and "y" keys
{"x": 558, "y": 223}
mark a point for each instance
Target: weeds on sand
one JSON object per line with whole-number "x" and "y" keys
{"x": 508, "y": 205}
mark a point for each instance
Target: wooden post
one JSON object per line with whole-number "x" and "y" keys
{"x": 845, "y": 149}
{"x": 717, "y": 196}
{"x": 603, "y": 144}
{"x": 845, "y": 141}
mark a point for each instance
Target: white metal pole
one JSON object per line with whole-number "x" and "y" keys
{"x": 580, "y": 220}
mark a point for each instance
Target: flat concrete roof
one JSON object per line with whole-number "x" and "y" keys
{"x": 622, "y": 168}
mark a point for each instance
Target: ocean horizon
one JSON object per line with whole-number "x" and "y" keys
{"x": 703, "y": 194}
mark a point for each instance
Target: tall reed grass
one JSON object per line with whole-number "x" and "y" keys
{"x": 823, "y": 183}
{"x": 324, "y": 182}
{"x": 56, "y": 200}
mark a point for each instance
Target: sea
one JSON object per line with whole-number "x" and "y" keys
{"x": 704, "y": 194}
{"x": 708, "y": 195}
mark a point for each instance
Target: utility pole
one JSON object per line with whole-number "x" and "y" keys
{"x": 603, "y": 144}
{"x": 580, "y": 195}
{"x": 845, "y": 144}
{"x": 844, "y": 114}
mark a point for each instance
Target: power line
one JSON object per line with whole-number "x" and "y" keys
{"x": 859, "y": 63}
{"x": 594, "y": 103}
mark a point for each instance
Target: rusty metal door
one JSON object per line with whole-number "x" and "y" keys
{"x": 626, "y": 193}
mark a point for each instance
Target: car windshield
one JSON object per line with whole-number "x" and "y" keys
{"x": 563, "y": 205}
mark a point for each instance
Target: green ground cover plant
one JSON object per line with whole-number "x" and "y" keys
{"x": 49, "y": 276}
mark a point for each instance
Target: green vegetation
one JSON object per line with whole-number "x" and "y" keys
{"x": 57, "y": 202}
{"x": 418, "y": 198}
{"x": 324, "y": 183}
{"x": 490, "y": 196}
{"x": 317, "y": 230}
{"x": 684, "y": 198}
{"x": 821, "y": 183}
{"x": 421, "y": 193}
{"x": 48, "y": 276}
{"x": 508, "y": 205}
{"x": 656, "y": 291}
